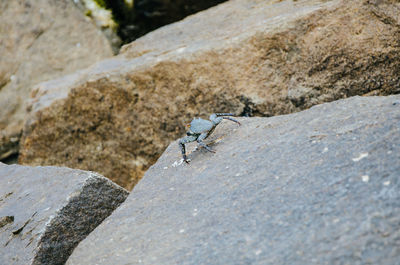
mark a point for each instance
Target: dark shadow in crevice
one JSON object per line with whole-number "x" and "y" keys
{"x": 147, "y": 15}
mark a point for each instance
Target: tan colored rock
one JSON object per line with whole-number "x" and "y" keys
{"x": 39, "y": 40}
{"x": 247, "y": 57}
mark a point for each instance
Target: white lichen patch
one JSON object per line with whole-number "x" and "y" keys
{"x": 365, "y": 178}
{"x": 361, "y": 156}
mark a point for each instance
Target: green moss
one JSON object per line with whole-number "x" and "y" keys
{"x": 88, "y": 13}
{"x": 101, "y": 3}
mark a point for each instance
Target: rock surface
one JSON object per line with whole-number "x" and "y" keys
{"x": 320, "y": 186}
{"x": 46, "y": 211}
{"x": 39, "y": 40}
{"x": 247, "y": 57}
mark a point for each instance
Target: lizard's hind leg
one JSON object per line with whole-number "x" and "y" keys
{"x": 201, "y": 143}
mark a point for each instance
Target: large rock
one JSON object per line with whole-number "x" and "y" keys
{"x": 317, "y": 187}
{"x": 247, "y": 57}
{"x": 46, "y": 211}
{"x": 39, "y": 40}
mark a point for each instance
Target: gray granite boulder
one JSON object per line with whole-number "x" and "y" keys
{"x": 46, "y": 211}
{"x": 320, "y": 186}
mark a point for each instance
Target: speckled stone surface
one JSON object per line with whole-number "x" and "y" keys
{"x": 46, "y": 211}
{"x": 40, "y": 40}
{"x": 248, "y": 57}
{"x": 320, "y": 186}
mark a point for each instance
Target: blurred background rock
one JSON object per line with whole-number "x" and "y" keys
{"x": 123, "y": 21}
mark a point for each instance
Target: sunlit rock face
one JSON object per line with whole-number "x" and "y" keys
{"x": 319, "y": 186}
{"x": 246, "y": 57}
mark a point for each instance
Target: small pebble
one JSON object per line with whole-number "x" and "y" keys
{"x": 386, "y": 183}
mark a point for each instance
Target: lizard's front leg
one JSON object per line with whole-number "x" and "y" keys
{"x": 182, "y": 142}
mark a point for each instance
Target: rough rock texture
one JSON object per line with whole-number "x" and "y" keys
{"x": 39, "y": 40}
{"x": 46, "y": 211}
{"x": 247, "y": 57}
{"x": 316, "y": 187}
